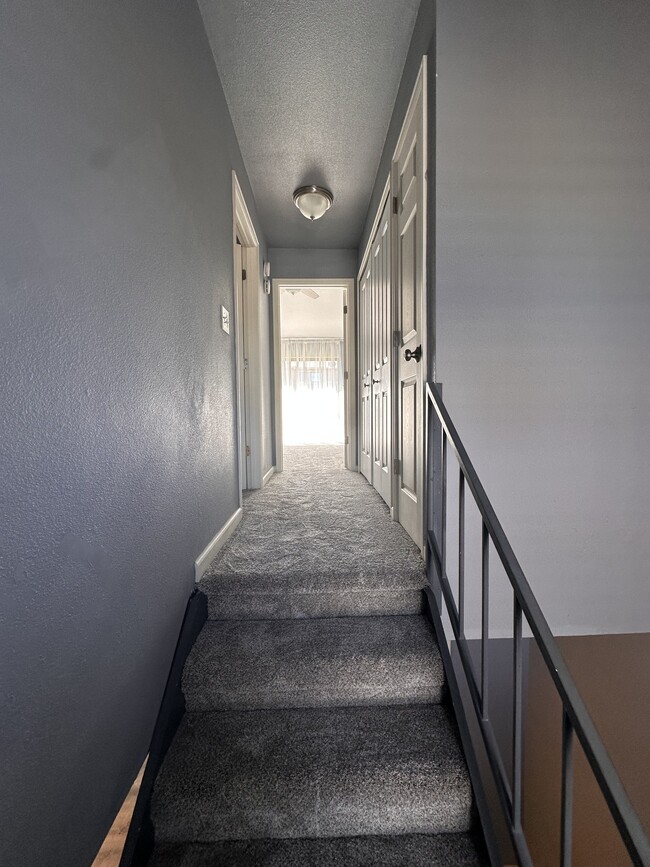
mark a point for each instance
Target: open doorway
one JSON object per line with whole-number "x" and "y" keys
{"x": 314, "y": 353}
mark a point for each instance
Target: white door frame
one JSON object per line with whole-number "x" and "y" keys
{"x": 419, "y": 96}
{"x": 419, "y": 90}
{"x": 365, "y": 261}
{"x": 250, "y": 467}
{"x": 350, "y": 362}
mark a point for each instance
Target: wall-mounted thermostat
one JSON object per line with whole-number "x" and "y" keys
{"x": 225, "y": 319}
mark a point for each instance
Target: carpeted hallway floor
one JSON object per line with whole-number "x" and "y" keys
{"x": 317, "y": 731}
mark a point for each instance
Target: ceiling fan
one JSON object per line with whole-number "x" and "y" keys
{"x": 306, "y": 290}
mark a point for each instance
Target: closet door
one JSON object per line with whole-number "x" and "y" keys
{"x": 365, "y": 376}
{"x": 408, "y": 184}
{"x": 380, "y": 278}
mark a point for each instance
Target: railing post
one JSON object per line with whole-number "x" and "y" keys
{"x": 435, "y": 458}
{"x": 485, "y": 618}
{"x": 566, "y": 836}
{"x": 461, "y": 552}
{"x": 577, "y": 722}
{"x": 443, "y": 508}
{"x": 517, "y": 718}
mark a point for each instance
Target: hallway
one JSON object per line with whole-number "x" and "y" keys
{"x": 317, "y": 730}
{"x": 315, "y": 542}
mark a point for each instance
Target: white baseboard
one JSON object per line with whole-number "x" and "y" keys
{"x": 215, "y": 545}
{"x": 267, "y": 475}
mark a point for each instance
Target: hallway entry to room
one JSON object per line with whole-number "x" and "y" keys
{"x": 314, "y": 349}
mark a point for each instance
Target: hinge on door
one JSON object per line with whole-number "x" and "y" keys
{"x": 248, "y": 451}
{"x": 243, "y": 273}
{"x": 394, "y": 204}
{"x": 347, "y": 440}
{"x": 397, "y": 339}
{"x": 345, "y": 309}
{"x": 346, "y": 375}
{"x": 396, "y": 467}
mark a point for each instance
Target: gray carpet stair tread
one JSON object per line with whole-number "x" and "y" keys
{"x": 312, "y": 773}
{"x": 313, "y": 663}
{"x": 316, "y": 541}
{"x": 415, "y": 850}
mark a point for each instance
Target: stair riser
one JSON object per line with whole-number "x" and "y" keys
{"x": 270, "y": 606}
{"x": 404, "y": 851}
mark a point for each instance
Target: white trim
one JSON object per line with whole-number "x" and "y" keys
{"x": 350, "y": 342}
{"x": 251, "y": 414}
{"x": 320, "y": 283}
{"x": 420, "y": 86}
{"x": 267, "y": 475}
{"x": 216, "y": 544}
{"x": 278, "y": 440}
{"x": 358, "y": 382}
{"x": 240, "y": 208}
{"x": 350, "y": 383}
{"x": 375, "y": 226}
{"x": 419, "y": 94}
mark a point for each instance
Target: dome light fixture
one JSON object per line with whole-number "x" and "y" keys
{"x": 312, "y": 201}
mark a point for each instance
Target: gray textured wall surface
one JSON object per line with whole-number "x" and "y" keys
{"x": 422, "y": 42}
{"x": 117, "y": 433}
{"x": 543, "y": 287}
{"x": 295, "y": 263}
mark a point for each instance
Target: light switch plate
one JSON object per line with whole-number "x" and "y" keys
{"x": 225, "y": 319}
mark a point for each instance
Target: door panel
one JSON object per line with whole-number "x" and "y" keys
{"x": 408, "y": 278}
{"x": 244, "y": 461}
{"x": 409, "y": 419}
{"x": 380, "y": 275}
{"x": 408, "y": 182}
{"x": 365, "y": 395}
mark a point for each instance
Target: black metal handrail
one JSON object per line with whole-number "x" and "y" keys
{"x": 575, "y": 716}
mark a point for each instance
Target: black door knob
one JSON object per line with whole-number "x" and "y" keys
{"x": 416, "y": 355}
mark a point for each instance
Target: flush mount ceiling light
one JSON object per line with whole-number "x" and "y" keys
{"x": 312, "y": 201}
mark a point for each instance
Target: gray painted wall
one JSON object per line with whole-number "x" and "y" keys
{"x": 295, "y": 263}
{"x": 117, "y": 434}
{"x": 543, "y": 287}
{"x": 422, "y": 42}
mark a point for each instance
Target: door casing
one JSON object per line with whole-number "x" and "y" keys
{"x": 417, "y": 104}
{"x": 249, "y": 404}
{"x": 350, "y": 362}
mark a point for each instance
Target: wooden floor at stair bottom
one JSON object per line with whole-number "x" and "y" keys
{"x": 111, "y": 852}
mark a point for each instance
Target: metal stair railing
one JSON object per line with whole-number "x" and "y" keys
{"x": 576, "y": 721}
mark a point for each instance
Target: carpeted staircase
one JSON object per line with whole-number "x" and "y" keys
{"x": 316, "y": 731}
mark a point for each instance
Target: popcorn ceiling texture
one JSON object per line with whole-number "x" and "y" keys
{"x": 311, "y": 88}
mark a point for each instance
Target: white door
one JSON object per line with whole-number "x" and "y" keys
{"x": 380, "y": 279}
{"x": 365, "y": 376}
{"x": 242, "y": 353}
{"x": 408, "y": 189}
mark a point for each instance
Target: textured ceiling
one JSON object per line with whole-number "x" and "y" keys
{"x": 311, "y": 87}
{"x": 301, "y": 316}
